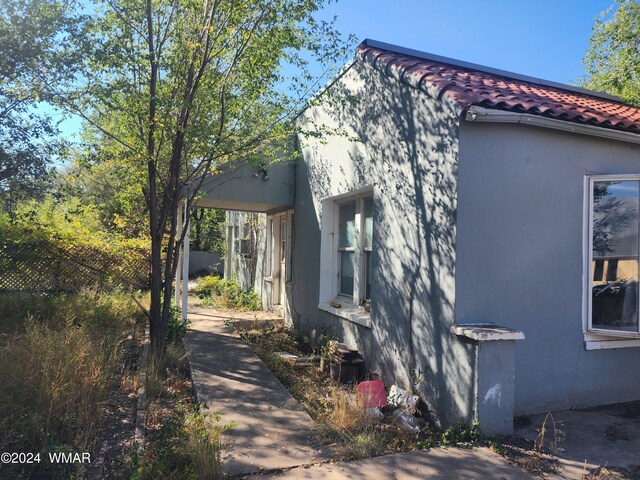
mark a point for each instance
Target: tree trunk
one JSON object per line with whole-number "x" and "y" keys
{"x": 157, "y": 324}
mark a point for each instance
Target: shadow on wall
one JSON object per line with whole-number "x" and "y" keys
{"x": 404, "y": 143}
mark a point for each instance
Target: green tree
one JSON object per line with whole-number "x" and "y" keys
{"x": 612, "y": 62}
{"x": 33, "y": 39}
{"x": 207, "y": 232}
{"x": 174, "y": 88}
{"x": 112, "y": 186}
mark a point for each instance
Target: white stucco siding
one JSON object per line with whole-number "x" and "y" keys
{"x": 520, "y": 258}
{"x": 403, "y": 144}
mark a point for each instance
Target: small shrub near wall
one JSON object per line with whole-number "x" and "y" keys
{"x": 226, "y": 293}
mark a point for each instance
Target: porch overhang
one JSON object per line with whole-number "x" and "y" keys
{"x": 249, "y": 188}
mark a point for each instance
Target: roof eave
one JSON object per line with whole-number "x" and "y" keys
{"x": 477, "y": 114}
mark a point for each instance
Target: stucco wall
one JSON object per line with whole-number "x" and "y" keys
{"x": 406, "y": 149}
{"x": 520, "y": 258}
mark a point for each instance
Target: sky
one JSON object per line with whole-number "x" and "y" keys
{"x": 546, "y": 39}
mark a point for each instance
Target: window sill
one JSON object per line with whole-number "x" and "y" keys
{"x": 603, "y": 342}
{"x": 351, "y": 313}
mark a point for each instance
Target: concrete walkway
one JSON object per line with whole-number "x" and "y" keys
{"x": 274, "y": 433}
{"x": 437, "y": 463}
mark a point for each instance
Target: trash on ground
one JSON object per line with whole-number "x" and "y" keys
{"x": 407, "y": 421}
{"x": 371, "y": 393}
{"x": 375, "y": 412}
{"x": 402, "y": 398}
{"x": 347, "y": 365}
{"x": 301, "y": 360}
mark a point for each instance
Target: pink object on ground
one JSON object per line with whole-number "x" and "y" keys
{"x": 372, "y": 393}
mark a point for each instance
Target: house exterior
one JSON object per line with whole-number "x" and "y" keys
{"x": 473, "y": 232}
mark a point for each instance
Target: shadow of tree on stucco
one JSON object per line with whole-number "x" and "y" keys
{"x": 406, "y": 148}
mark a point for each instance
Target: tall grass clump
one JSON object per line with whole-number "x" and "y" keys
{"x": 226, "y": 293}
{"x": 173, "y": 361}
{"x": 58, "y": 355}
{"x": 345, "y": 422}
{"x": 203, "y": 444}
{"x": 53, "y": 382}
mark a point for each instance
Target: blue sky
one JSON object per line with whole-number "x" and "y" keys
{"x": 541, "y": 38}
{"x": 546, "y": 39}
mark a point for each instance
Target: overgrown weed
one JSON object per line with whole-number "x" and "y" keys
{"x": 58, "y": 359}
{"x": 342, "y": 420}
{"x": 227, "y": 294}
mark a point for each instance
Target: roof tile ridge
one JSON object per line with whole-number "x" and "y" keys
{"x": 447, "y": 91}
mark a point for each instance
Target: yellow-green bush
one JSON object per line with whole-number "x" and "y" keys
{"x": 62, "y": 247}
{"x": 226, "y": 293}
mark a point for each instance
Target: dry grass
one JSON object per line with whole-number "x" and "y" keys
{"x": 342, "y": 421}
{"x": 203, "y": 443}
{"x": 550, "y": 434}
{"x": 53, "y": 381}
{"x": 58, "y": 359}
{"x": 356, "y": 435}
{"x": 160, "y": 372}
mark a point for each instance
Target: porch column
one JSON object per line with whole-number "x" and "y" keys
{"x": 185, "y": 262}
{"x": 179, "y": 268}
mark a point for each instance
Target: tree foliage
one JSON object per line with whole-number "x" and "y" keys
{"x": 612, "y": 62}
{"x": 173, "y": 88}
{"x": 207, "y": 230}
{"x": 34, "y": 39}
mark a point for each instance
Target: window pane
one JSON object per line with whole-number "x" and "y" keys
{"x": 346, "y": 273}
{"x": 615, "y": 251}
{"x": 368, "y": 275}
{"x": 368, "y": 222}
{"x": 347, "y": 225}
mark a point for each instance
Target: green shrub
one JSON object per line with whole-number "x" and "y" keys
{"x": 52, "y": 247}
{"x": 176, "y": 328}
{"x": 226, "y": 293}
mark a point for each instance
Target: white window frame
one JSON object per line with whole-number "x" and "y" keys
{"x": 349, "y": 306}
{"x": 595, "y": 338}
{"x": 244, "y": 234}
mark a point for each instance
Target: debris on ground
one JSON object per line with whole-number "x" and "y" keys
{"x": 300, "y": 360}
{"x": 376, "y": 413}
{"x": 371, "y": 393}
{"x": 347, "y": 364}
{"x": 407, "y": 421}
{"x": 401, "y": 398}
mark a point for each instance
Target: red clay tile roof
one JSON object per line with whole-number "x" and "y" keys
{"x": 470, "y": 86}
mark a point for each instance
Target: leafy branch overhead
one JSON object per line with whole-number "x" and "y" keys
{"x": 612, "y": 62}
